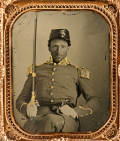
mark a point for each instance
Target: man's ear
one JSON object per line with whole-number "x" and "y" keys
{"x": 68, "y": 47}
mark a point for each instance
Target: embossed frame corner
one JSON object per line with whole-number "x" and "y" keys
{"x": 10, "y": 10}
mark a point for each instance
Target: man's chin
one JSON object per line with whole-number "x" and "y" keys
{"x": 58, "y": 60}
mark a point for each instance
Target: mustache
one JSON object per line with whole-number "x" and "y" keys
{"x": 58, "y": 54}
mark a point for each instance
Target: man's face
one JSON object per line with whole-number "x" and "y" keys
{"x": 58, "y": 49}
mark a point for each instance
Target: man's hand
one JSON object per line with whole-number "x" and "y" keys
{"x": 67, "y": 110}
{"x": 32, "y": 110}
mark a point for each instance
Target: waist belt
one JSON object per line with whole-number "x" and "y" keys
{"x": 56, "y": 104}
{"x": 54, "y": 107}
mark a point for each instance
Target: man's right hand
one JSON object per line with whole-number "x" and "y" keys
{"x": 32, "y": 110}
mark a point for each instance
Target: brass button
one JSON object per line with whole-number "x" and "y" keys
{"x": 51, "y": 87}
{"x": 52, "y": 79}
{"x": 82, "y": 115}
{"x": 54, "y": 69}
{"x": 51, "y": 93}
{"x": 53, "y": 73}
{"x": 51, "y": 100}
{"x": 55, "y": 64}
{"x": 86, "y": 114}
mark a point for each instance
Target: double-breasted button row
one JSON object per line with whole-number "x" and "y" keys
{"x": 51, "y": 93}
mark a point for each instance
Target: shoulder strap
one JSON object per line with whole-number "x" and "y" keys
{"x": 72, "y": 65}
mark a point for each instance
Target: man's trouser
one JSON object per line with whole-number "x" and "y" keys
{"x": 52, "y": 123}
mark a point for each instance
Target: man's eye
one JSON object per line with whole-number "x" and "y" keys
{"x": 63, "y": 46}
{"x": 55, "y": 46}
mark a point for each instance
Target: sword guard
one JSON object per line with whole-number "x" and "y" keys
{"x": 33, "y": 74}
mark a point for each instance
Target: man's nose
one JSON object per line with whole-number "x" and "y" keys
{"x": 59, "y": 50}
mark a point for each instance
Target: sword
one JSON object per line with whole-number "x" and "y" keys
{"x": 33, "y": 101}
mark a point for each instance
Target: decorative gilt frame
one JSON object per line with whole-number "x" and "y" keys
{"x": 10, "y": 10}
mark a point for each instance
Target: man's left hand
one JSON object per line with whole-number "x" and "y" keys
{"x": 67, "y": 110}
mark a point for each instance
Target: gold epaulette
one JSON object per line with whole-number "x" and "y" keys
{"x": 46, "y": 62}
{"x": 83, "y": 72}
{"x": 29, "y": 70}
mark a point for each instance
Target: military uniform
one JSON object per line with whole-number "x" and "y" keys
{"x": 57, "y": 85}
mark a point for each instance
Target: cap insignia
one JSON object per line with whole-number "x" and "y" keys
{"x": 62, "y": 32}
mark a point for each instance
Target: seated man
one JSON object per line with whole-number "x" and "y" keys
{"x": 58, "y": 85}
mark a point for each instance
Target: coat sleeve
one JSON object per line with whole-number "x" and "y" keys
{"x": 24, "y": 97}
{"x": 93, "y": 102}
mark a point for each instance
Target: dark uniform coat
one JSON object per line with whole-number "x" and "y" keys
{"x": 57, "y": 85}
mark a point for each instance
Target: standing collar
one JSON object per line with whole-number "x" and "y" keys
{"x": 63, "y": 62}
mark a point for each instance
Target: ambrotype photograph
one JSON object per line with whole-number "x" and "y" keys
{"x": 61, "y": 71}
